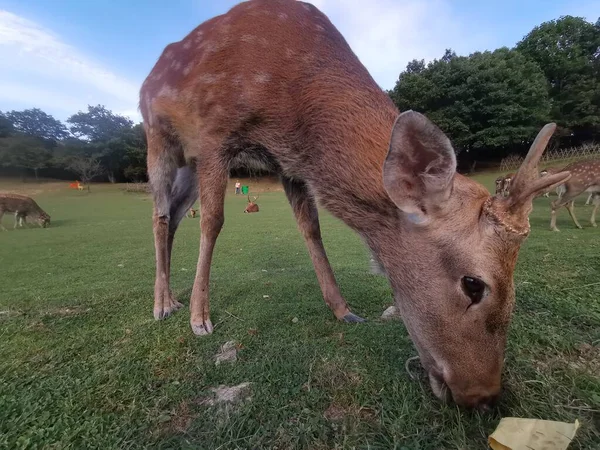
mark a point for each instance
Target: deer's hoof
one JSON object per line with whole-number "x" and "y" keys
{"x": 202, "y": 328}
{"x": 595, "y": 225}
{"x": 353, "y": 318}
{"x": 165, "y": 311}
{"x": 554, "y": 229}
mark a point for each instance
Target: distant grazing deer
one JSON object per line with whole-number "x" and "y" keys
{"x": 272, "y": 84}
{"x": 23, "y": 207}
{"x": 192, "y": 213}
{"x": 503, "y": 184}
{"x": 251, "y": 207}
{"x": 585, "y": 177}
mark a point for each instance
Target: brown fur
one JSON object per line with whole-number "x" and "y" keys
{"x": 273, "y": 84}
{"x": 585, "y": 178}
{"x": 23, "y": 207}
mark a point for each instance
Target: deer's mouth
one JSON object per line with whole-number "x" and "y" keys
{"x": 439, "y": 387}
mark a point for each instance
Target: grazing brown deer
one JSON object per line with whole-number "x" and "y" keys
{"x": 585, "y": 177}
{"x": 192, "y": 213}
{"x": 272, "y": 84}
{"x": 251, "y": 207}
{"x": 23, "y": 207}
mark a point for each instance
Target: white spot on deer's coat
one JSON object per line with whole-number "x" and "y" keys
{"x": 247, "y": 38}
{"x": 209, "y": 47}
{"x": 187, "y": 69}
{"x": 169, "y": 54}
{"x": 262, "y": 78}
{"x": 167, "y": 91}
{"x": 187, "y": 44}
{"x": 210, "y": 78}
{"x": 282, "y": 16}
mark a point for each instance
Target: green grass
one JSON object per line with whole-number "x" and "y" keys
{"x": 84, "y": 365}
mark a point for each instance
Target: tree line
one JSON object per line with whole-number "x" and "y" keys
{"x": 490, "y": 104}
{"x": 93, "y": 144}
{"x": 493, "y": 103}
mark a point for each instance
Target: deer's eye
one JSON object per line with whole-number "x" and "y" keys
{"x": 474, "y": 288}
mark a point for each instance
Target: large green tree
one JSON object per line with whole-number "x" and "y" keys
{"x": 6, "y": 126}
{"x": 486, "y": 100}
{"x": 568, "y": 52}
{"x": 98, "y": 124}
{"x": 35, "y": 122}
{"x": 25, "y": 152}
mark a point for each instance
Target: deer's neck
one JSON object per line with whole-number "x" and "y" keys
{"x": 353, "y": 130}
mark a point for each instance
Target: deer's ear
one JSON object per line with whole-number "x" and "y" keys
{"x": 419, "y": 167}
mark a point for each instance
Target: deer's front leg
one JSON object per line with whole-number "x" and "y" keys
{"x": 307, "y": 218}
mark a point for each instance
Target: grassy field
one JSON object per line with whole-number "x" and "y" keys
{"x": 84, "y": 365}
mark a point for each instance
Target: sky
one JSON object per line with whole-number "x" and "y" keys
{"x": 61, "y": 55}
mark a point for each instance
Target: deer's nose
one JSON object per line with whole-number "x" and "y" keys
{"x": 484, "y": 402}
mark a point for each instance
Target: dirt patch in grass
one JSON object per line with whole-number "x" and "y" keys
{"x": 32, "y": 189}
{"x": 227, "y": 395}
{"x": 67, "y": 311}
{"x": 585, "y": 358}
{"x": 181, "y": 418}
{"x": 336, "y": 413}
{"x": 334, "y": 375}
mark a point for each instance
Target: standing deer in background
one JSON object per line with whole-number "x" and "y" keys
{"x": 23, "y": 207}
{"x": 272, "y": 84}
{"x": 503, "y": 184}
{"x": 585, "y": 177}
{"x": 251, "y": 207}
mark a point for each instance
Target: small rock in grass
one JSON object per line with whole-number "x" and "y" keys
{"x": 391, "y": 313}
{"x": 228, "y": 353}
{"x": 227, "y": 394}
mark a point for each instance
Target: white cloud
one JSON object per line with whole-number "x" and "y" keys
{"x": 38, "y": 69}
{"x": 387, "y": 34}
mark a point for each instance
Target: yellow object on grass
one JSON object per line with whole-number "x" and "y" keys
{"x": 513, "y": 433}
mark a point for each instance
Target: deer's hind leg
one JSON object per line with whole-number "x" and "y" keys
{"x": 174, "y": 188}
{"x": 307, "y": 217}
{"x": 1, "y": 226}
{"x": 568, "y": 201}
{"x": 596, "y": 203}
{"x": 213, "y": 173}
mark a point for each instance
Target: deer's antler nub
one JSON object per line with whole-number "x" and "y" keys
{"x": 512, "y": 212}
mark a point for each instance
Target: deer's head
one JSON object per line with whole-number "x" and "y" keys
{"x": 44, "y": 220}
{"x": 251, "y": 207}
{"x": 452, "y": 272}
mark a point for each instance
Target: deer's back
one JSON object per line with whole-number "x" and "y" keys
{"x": 584, "y": 174}
{"x": 277, "y": 75}
{"x": 16, "y": 202}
